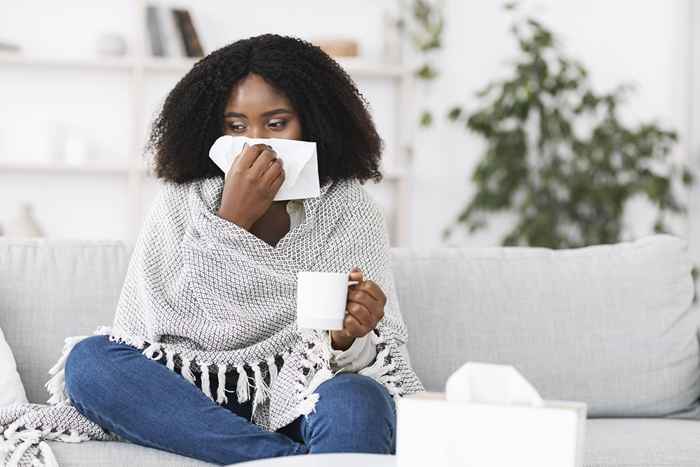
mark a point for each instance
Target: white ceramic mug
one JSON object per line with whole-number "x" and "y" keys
{"x": 321, "y": 299}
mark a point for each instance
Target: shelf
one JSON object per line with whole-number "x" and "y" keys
{"x": 356, "y": 67}
{"x": 390, "y": 174}
{"x": 97, "y": 63}
{"x": 179, "y": 65}
{"x": 363, "y": 68}
{"x": 92, "y": 168}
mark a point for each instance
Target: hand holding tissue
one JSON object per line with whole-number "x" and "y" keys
{"x": 299, "y": 158}
{"x": 489, "y": 416}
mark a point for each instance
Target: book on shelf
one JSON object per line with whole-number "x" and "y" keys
{"x": 155, "y": 33}
{"x": 171, "y": 32}
{"x": 171, "y": 36}
{"x": 188, "y": 33}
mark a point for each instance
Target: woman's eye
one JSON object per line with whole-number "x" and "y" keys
{"x": 278, "y": 123}
{"x": 236, "y": 126}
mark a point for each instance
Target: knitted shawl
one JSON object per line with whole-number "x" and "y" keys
{"x": 214, "y": 298}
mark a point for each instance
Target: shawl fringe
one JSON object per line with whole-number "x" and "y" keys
{"x": 24, "y": 442}
{"x": 21, "y": 442}
{"x": 317, "y": 359}
{"x": 18, "y": 444}
{"x": 258, "y": 391}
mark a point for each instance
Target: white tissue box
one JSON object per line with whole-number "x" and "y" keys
{"x": 434, "y": 432}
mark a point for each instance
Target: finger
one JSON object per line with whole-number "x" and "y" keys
{"x": 362, "y": 297}
{"x": 273, "y": 172}
{"x": 278, "y": 182}
{"x": 372, "y": 288}
{"x": 261, "y": 164}
{"x": 237, "y": 164}
{"x": 375, "y": 308}
{"x": 355, "y": 274}
{"x": 249, "y": 154}
{"x": 276, "y": 160}
{"x": 360, "y": 313}
{"x": 380, "y": 292}
{"x": 353, "y": 327}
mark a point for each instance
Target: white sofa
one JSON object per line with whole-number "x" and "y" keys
{"x": 612, "y": 326}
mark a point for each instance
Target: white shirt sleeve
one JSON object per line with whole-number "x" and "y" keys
{"x": 359, "y": 355}
{"x": 295, "y": 209}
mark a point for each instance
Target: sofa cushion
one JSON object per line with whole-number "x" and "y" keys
{"x": 117, "y": 454}
{"x": 11, "y": 388}
{"x": 609, "y": 325}
{"x": 52, "y": 289}
{"x": 641, "y": 442}
{"x": 610, "y": 442}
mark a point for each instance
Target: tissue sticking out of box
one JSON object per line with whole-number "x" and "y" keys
{"x": 491, "y": 383}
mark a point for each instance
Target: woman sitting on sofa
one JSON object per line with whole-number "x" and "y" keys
{"x": 209, "y": 294}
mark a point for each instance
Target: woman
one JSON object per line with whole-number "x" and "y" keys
{"x": 204, "y": 358}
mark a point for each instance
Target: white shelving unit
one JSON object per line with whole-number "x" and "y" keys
{"x": 142, "y": 68}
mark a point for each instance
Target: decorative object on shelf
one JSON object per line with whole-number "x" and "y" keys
{"x": 111, "y": 45}
{"x": 24, "y": 224}
{"x": 71, "y": 146}
{"x": 188, "y": 33}
{"x": 424, "y": 24}
{"x": 567, "y": 187}
{"x": 9, "y": 47}
{"x": 155, "y": 33}
{"x": 338, "y": 46}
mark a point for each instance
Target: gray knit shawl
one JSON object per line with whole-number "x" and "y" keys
{"x": 213, "y": 298}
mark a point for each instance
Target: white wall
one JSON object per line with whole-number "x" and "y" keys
{"x": 643, "y": 42}
{"x": 39, "y": 102}
{"x": 647, "y": 42}
{"x": 693, "y": 128}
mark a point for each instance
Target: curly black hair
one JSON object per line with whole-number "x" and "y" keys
{"x": 332, "y": 111}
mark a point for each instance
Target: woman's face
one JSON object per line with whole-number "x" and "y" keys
{"x": 257, "y": 110}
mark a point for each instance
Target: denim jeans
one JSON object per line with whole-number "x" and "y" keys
{"x": 144, "y": 402}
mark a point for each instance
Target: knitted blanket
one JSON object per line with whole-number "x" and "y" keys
{"x": 213, "y": 298}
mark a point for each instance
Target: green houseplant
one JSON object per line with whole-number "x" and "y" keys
{"x": 423, "y": 24}
{"x": 557, "y": 154}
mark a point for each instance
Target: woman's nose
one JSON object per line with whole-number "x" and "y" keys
{"x": 258, "y": 132}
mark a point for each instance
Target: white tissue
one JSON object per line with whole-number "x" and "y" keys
{"x": 491, "y": 383}
{"x": 299, "y": 160}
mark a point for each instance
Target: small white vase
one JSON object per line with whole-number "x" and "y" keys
{"x": 111, "y": 45}
{"x": 24, "y": 223}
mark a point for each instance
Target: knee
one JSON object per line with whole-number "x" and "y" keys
{"x": 87, "y": 352}
{"x": 358, "y": 413}
{"x": 356, "y": 393}
{"x": 83, "y": 361}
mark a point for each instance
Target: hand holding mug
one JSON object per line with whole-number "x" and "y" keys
{"x": 365, "y": 307}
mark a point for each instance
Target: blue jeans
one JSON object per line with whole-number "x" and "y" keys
{"x": 144, "y": 402}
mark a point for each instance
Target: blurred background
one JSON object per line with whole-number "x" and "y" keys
{"x": 549, "y": 123}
